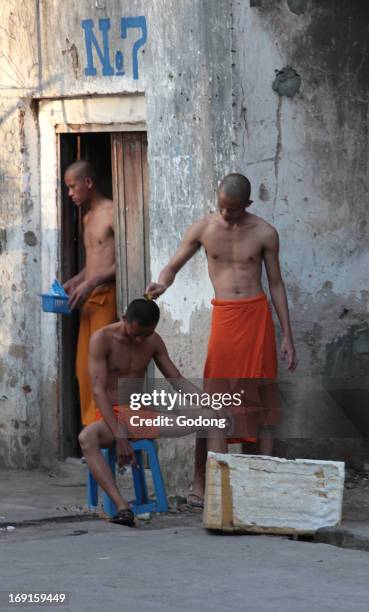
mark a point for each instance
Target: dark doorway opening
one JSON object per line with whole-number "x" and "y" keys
{"x": 96, "y": 148}
{"x": 120, "y": 159}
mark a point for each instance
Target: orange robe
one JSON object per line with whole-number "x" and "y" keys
{"x": 99, "y": 310}
{"x": 242, "y": 347}
{"x": 141, "y": 430}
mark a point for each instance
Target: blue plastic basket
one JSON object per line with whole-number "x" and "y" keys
{"x": 55, "y": 303}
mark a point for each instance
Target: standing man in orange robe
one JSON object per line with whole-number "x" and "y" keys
{"x": 242, "y": 340}
{"x": 93, "y": 289}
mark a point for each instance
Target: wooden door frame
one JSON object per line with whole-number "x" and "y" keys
{"x": 108, "y": 113}
{"x": 121, "y": 210}
{"x": 66, "y": 423}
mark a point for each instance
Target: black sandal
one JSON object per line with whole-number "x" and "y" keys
{"x": 124, "y": 517}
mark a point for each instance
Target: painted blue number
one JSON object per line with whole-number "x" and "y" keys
{"x": 134, "y": 22}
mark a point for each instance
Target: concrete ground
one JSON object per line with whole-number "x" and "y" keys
{"x": 176, "y": 567}
{"x": 170, "y": 563}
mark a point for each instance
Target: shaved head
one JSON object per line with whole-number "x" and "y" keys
{"x": 83, "y": 169}
{"x": 237, "y": 187}
{"x": 82, "y": 182}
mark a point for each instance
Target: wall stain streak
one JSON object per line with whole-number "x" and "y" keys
{"x": 278, "y": 151}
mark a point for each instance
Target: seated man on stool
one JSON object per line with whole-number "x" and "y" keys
{"x": 123, "y": 350}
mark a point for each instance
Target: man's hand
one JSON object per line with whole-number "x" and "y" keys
{"x": 288, "y": 350}
{"x": 80, "y": 294}
{"x": 125, "y": 452}
{"x": 69, "y": 286}
{"x": 155, "y": 290}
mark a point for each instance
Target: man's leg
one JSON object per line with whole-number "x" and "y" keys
{"x": 197, "y": 491}
{"x": 271, "y": 411}
{"x": 215, "y": 442}
{"x": 92, "y": 439}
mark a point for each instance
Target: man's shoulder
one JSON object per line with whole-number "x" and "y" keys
{"x": 202, "y": 225}
{"x": 263, "y": 226}
{"x": 157, "y": 341}
{"x": 102, "y": 336}
{"x": 106, "y": 207}
{"x": 208, "y": 219}
{"x": 108, "y": 203}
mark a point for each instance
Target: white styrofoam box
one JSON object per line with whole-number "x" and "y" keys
{"x": 260, "y": 494}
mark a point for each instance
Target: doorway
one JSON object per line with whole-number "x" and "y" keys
{"x": 120, "y": 160}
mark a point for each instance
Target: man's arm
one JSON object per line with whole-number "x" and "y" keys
{"x": 278, "y": 295}
{"x": 98, "y": 370}
{"x": 170, "y": 371}
{"x": 80, "y": 293}
{"x": 188, "y": 247}
{"x": 73, "y": 282}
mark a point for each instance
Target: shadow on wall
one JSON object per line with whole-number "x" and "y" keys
{"x": 346, "y": 375}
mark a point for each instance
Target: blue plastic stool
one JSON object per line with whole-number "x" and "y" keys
{"x": 142, "y": 503}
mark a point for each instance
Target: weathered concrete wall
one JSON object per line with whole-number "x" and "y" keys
{"x": 207, "y": 70}
{"x": 19, "y": 240}
{"x": 45, "y": 51}
{"x": 190, "y": 148}
{"x": 184, "y": 70}
{"x": 91, "y": 47}
{"x": 307, "y": 158}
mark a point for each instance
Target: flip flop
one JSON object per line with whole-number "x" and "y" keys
{"x": 195, "y": 500}
{"x": 124, "y": 517}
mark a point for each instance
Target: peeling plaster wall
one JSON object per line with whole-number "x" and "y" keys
{"x": 307, "y": 158}
{"x": 207, "y": 71}
{"x": 64, "y": 56}
{"x": 19, "y": 240}
{"x": 184, "y": 71}
{"x": 191, "y": 125}
{"x": 189, "y": 107}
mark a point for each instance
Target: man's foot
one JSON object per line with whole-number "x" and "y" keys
{"x": 124, "y": 517}
{"x": 195, "y": 500}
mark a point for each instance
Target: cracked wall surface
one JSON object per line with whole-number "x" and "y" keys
{"x": 185, "y": 72}
{"x": 207, "y": 71}
{"x": 307, "y": 158}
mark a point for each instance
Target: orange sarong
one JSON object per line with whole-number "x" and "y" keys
{"x": 242, "y": 347}
{"x": 143, "y": 430}
{"x": 99, "y": 310}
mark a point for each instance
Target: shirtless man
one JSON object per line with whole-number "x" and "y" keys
{"x": 93, "y": 289}
{"x": 121, "y": 352}
{"x": 241, "y": 346}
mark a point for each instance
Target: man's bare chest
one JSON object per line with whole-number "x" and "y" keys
{"x": 127, "y": 359}
{"x": 97, "y": 231}
{"x": 232, "y": 246}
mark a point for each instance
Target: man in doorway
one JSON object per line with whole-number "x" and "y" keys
{"x": 93, "y": 289}
{"x": 120, "y": 353}
{"x": 242, "y": 343}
